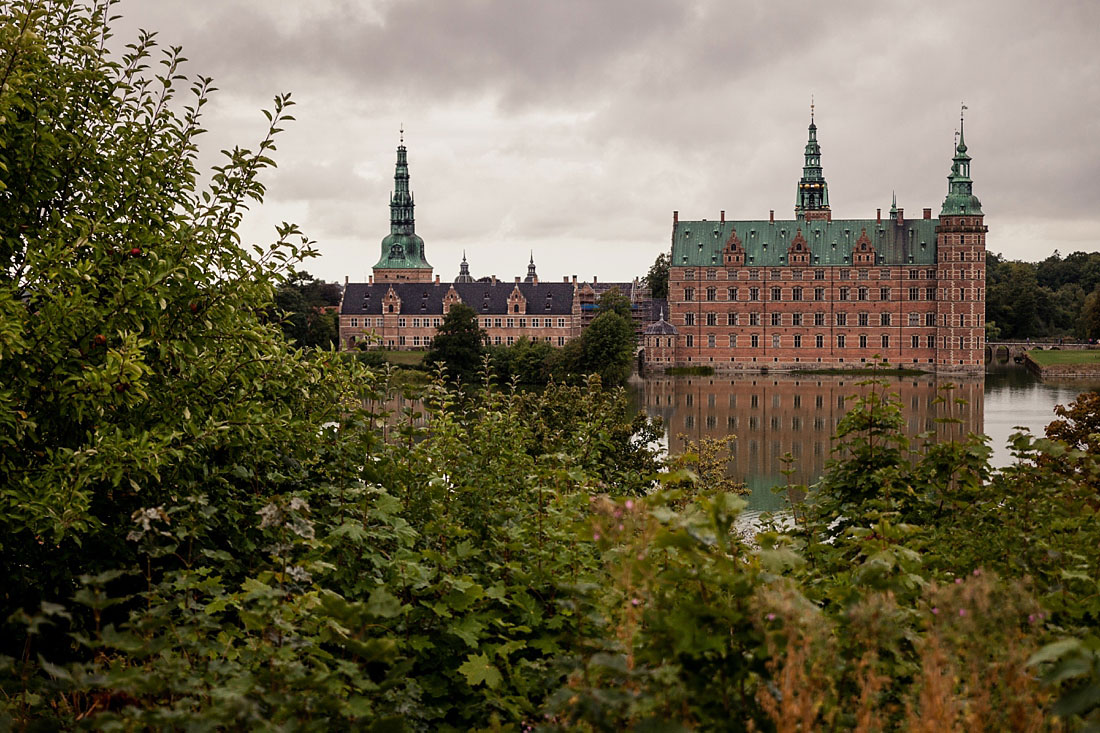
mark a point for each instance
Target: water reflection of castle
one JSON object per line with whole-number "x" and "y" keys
{"x": 775, "y": 415}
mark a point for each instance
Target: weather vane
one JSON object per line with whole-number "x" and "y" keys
{"x": 811, "y": 108}
{"x": 401, "y": 130}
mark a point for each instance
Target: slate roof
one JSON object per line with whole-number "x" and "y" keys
{"x": 546, "y": 299}
{"x": 700, "y": 243}
{"x": 661, "y": 328}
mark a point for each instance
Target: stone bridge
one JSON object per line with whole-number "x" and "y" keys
{"x": 1002, "y": 352}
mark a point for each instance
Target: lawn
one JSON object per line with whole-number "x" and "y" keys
{"x": 1045, "y": 357}
{"x": 404, "y": 358}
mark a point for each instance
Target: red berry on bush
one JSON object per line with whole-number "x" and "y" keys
{"x": 135, "y": 251}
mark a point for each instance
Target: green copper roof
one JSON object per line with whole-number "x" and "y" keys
{"x": 402, "y": 248}
{"x": 701, "y": 243}
{"x": 960, "y": 189}
{"x": 813, "y": 192}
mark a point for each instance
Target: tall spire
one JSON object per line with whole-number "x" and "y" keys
{"x": 531, "y": 275}
{"x": 960, "y": 189}
{"x": 464, "y": 271}
{"x": 402, "y": 249}
{"x": 813, "y": 191}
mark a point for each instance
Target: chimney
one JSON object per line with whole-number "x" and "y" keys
{"x": 878, "y": 216}
{"x": 437, "y": 279}
{"x": 675, "y": 217}
{"x": 722, "y": 218}
{"x": 771, "y": 215}
{"x": 928, "y": 213}
{"x": 565, "y": 278}
{"x": 594, "y": 280}
{"x": 494, "y": 279}
{"x": 535, "y": 280}
{"x": 901, "y": 216}
{"x": 517, "y": 279}
{"x": 370, "y": 279}
{"x": 574, "y": 279}
{"x": 345, "y": 281}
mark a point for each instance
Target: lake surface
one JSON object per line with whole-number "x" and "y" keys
{"x": 773, "y": 415}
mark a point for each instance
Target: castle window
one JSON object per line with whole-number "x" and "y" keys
{"x": 511, "y": 322}
{"x": 754, "y": 319}
{"x": 561, "y": 340}
{"x": 863, "y": 341}
{"x": 400, "y": 340}
{"x": 689, "y": 293}
{"x": 733, "y": 344}
{"x": 914, "y": 319}
{"x": 845, "y": 274}
{"x": 416, "y": 341}
{"x": 796, "y": 319}
{"x": 929, "y": 293}
{"x": 914, "y": 293}
{"x": 712, "y": 294}
{"x": 819, "y": 274}
{"x": 435, "y": 322}
{"x": 755, "y": 343}
{"x": 689, "y": 274}
{"x": 498, "y": 322}
{"x": 884, "y": 293}
{"x": 689, "y": 341}
{"x": 819, "y": 341}
{"x": 712, "y": 319}
{"x": 535, "y": 322}
{"x": 914, "y": 274}
{"x": 523, "y": 323}
{"x": 355, "y": 323}
{"x": 862, "y": 294}
{"x": 884, "y": 319}
{"x": 864, "y": 319}
{"x": 416, "y": 323}
{"x": 777, "y": 274}
{"x": 797, "y": 345}
{"x": 777, "y": 319}
{"x": 819, "y": 319}
{"x": 819, "y": 293}
{"x": 689, "y": 319}
{"x": 731, "y": 293}
{"x": 844, "y": 293}
{"x": 842, "y": 319}
{"x": 864, "y": 274}
{"x": 915, "y": 342}
{"x": 486, "y": 323}
{"x": 885, "y": 341}
{"x": 710, "y": 340}
{"x": 930, "y": 274}
{"x": 884, "y": 274}
{"x": 754, "y": 274}
{"x": 400, "y": 322}
{"x": 511, "y": 340}
{"x": 712, "y": 275}
{"x": 389, "y": 309}
{"x": 796, "y": 294}
{"x": 379, "y": 322}
{"x": 731, "y": 319}
{"x": 561, "y": 323}
{"x": 796, "y": 274}
{"x": 777, "y": 294}
{"x": 775, "y": 340}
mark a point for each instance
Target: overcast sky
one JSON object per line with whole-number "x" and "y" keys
{"x": 573, "y": 128}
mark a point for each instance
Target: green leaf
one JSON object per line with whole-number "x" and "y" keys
{"x": 383, "y": 604}
{"x": 478, "y": 670}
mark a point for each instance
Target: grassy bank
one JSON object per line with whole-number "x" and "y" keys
{"x": 1044, "y": 357}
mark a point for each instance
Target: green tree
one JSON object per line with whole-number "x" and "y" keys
{"x": 607, "y": 348}
{"x": 657, "y": 277}
{"x": 1088, "y": 323}
{"x": 459, "y": 343}
{"x": 307, "y": 310}
{"x": 136, "y": 366}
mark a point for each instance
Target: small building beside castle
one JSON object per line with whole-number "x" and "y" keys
{"x": 817, "y": 292}
{"x": 403, "y": 303}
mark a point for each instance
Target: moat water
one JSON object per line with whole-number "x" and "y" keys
{"x": 774, "y": 415}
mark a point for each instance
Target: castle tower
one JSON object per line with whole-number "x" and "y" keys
{"x": 402, "y": 250}
{"x": 464, "y": 275}
{"x": 812, "y": 199}
{"x": 960, "y": 268}
{"x": 532, "y": 276}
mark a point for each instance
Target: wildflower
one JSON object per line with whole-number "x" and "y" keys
{"x": 770, "y": 617}
{"x": 1031, "y": 618}
{"x": 595, "y": 536}
{"x": 620, "y": 527}
{"x": 958, "y": 581}
{"x": 977, "y": 572}
{"x": 935, "y": 611}
{"x": 629, "y": 504}
{"x": 635, "y": 602}
{"x": 962, "y": 611}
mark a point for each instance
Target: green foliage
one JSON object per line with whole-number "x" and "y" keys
{"x": 459, "y": 343}
{"x": 307, "y": 311}
{"x": 1043, "y": 299}
{"x": 657, "y": 277}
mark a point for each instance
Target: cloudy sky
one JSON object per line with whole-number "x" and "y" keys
{"x": 573, "y": 128}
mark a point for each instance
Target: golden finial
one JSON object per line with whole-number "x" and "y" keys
{"x": 401, "y": 130}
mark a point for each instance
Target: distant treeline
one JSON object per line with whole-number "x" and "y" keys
{"x": 1056, "y": 297}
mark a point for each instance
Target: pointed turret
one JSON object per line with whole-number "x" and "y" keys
{"x": 464, "y": 275}
{"x": 402, "y": 250}
{"x": 532, "y": 276}
{"x": 812, "y": 201}
{"x": 960, "y": 189}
